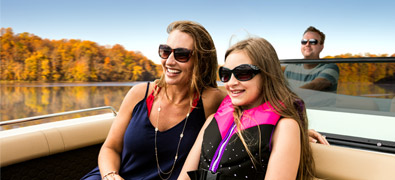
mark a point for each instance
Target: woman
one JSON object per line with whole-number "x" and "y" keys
{"x": 260, "y": 129}
{"x": 158, "y": 123}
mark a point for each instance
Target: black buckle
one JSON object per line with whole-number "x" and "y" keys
{"x": 203, "y": 174}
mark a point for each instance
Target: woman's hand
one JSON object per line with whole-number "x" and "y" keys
{"x": 315, "y": 137}
{"x": 112, "y": 176}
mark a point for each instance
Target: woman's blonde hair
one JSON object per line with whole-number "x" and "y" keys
{"x": 204, "y": 73}
{"x": 275, "y": 90}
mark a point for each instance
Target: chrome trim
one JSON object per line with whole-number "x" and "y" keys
{"x": 56, "y": 114}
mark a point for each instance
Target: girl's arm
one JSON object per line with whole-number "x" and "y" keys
{"x": 192, "y": 161}
{"x": 286, "y": 149}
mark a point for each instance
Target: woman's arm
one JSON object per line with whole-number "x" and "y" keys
{"x": 286, "y": 149}
{"x": 192, "y": 161}
{"x": 109, "y": 156}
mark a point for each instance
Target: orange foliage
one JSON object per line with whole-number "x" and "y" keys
{"x": 364, "y": 72}
{"x": 26, "y": 57}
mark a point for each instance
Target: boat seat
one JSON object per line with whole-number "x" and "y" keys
{"x": 22, "y": 144}
{"x": 59, "y": 150}
{"x": 339, "y": 163}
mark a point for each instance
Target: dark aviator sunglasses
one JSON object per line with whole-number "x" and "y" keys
{"x": 242, "y": 72}
{"x": 311, "y": 41}
{"x": 180, "y": 54}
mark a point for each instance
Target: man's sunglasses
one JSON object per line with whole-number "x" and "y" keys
{"x": 311, "y": 41}
{"x": 180, "y": 54}
{"x": 242, "y": 72}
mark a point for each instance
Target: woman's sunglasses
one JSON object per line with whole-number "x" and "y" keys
{"x": 242, "y": 72}
{"x": 311, "y": 41}
{"x": 180, "y": 54}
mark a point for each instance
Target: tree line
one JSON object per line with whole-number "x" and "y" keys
{"x": 27, "y": 57}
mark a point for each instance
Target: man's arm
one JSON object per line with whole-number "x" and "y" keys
{"x": 327, "y": 78}
{"x": 318, "y": 84}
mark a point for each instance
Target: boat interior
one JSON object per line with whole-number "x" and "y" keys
{"x": 68, "y": 149}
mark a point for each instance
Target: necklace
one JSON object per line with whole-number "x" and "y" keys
{"x": 160, "y": 172}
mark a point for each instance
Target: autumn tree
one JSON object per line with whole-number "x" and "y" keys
{"x": 32, "y": 69}
{"x": 27, "y": 57}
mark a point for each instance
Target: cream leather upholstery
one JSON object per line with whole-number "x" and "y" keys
{"x": 340, "y": 163}
{"x": 22, "y": 144}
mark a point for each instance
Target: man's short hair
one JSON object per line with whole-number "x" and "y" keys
{"x": 313, "y": 29}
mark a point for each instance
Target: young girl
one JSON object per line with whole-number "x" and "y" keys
{"x": 260, "y": 129}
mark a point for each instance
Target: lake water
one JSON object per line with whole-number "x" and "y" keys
{"x": 20, "y": 100}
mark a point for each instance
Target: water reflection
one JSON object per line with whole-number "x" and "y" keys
{"x": 26, "y": 100}
{"x": 20, "y": 100}
{"x": 386, "y": 91}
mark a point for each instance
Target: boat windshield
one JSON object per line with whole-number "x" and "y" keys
{"x": 356, "y": 103}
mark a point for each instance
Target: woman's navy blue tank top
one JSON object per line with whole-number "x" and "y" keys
{"x": 138, "y": 155}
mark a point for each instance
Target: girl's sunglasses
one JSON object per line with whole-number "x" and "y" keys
{"x": 180, "y": 54}
{"x": 242, "y": 72}
{"x": 311, "y": 41}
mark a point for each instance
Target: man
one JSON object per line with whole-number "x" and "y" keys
{"x": 321, "y": 77}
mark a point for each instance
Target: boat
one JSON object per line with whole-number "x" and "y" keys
{"x": 358, "y": 124}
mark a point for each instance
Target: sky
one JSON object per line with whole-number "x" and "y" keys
{"x": 351, "y": 26}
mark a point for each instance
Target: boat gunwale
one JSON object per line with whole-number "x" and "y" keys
{"x": 34, "y": 118}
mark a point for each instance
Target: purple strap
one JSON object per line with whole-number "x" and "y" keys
{"x": 221, "y": 148}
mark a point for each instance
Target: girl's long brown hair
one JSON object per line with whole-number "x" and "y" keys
{"x": 275, "y": 90}
{"x": 204, "y": 73}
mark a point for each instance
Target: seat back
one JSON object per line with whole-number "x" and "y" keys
{"x": 22, "y": 144}
{"x": 339, "y": 163}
